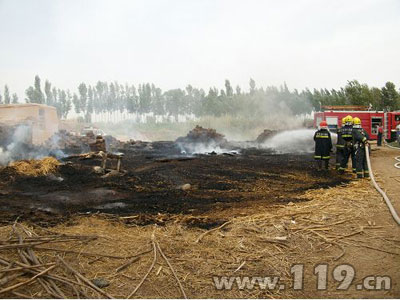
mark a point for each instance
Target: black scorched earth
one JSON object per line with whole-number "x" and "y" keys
{"x": 159, "y": 184}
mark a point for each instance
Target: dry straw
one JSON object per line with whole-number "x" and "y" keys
{"x": 34, "y": 167}
{"x": 332, "y": 226}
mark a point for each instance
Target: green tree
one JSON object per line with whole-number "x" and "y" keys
{"x": 90, "y": 100}
{"x": 48, "y": 93}
{"x": 30, "y": 95}
{"x": 76, "y": 102}
{"x": 358, "y": 94}
{"x": 64, "y": 100}
{"x": 7, "y": 98}
{"x": 14, "y": 98}
{"x": 377, "y": 103}
{"x": 390, "y": 97}
{"x": 38, "y": 94}
{"x": 228, "y": 88}
{"x": 238, "y": 90}
{"x": 252, "y": 84}
{"x": 82, "y": 102}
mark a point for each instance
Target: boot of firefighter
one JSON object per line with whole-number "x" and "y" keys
{"x": 319, "y": 164}
{"x": 343, "y": 160}
{"x": 338, "y": 158}
{"x": 353, "y": 161}
{"x": 359, "y": 162}
{"x": 326, "y": 162}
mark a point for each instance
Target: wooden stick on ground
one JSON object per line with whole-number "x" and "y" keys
{"x": 20, "y": 295}
{"x": 211, "y": 230}
{"x": 373, "y": 248}
{"x": 135, "y": 258}
{"x": 81, "y": 252}
{"x": 172, "y": 270}
{"x": 27, "y": 267}
{"x": 84, "y": 279}
{"x": 125, "y": 265}
{"x": 10, "y": 288}
{"x": 21, "y": 245}
{"x": 148, "y": 272}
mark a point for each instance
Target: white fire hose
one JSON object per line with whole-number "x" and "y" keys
{"x": 397, "y": 165}
{"x": 387, "y": 200}
{"x": 390, "y": 146}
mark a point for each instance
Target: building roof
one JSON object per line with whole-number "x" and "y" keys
{"x": 26, "y": 105}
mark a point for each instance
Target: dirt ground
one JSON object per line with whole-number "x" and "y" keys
{"x": 389, "y": 175}
{"x": 275, "y": 211}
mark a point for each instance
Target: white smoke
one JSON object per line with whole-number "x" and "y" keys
{"x": 293, "y": 141}
{"x": 201, "y": 148}
{"x": 20, "y": 137}
{"x": 20, "y": 147}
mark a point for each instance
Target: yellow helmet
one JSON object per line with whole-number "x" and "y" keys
{"x": 344, "y": 121}
{"x": 349, "y": 120}
{"x": 357, "y": 121}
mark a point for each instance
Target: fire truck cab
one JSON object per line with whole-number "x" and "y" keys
{"x": 370, "y": 120}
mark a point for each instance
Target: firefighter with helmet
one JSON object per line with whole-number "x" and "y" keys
{"x": 323, "y": 145}
{"x": 360, "y": 143}
{"x": 348, "y": 150}
{"x": 339, "y": 145}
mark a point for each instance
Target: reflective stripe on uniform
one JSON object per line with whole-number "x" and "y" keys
{"x": 339, "y": 146}
{"x": 326, "y": 157}
{"x": 317, "y": 156}
{"x": 322, "y": 137}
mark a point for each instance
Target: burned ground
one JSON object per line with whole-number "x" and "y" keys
{"x": 267, "y": 212}
{"x": 221, "y": 186}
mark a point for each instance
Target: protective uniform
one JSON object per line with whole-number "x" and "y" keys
{"x": 348, "y": 150}
{"x": 360, "y": 142}
{"x": 339, "y": 145}
{"x": 323, "y": 145}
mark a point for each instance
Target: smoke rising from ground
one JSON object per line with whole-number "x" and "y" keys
{"x": 19, "y": 147}
{"x": 201, "y": 148}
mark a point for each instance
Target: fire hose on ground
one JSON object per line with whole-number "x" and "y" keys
{"x": 385, "y": 197}
{"x": 396, "y": 165}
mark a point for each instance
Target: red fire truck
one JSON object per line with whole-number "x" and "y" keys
{"x": 370, "y": 120}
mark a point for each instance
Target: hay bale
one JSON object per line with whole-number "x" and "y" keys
{"x": 265, "y": 135}
{"x": 34, "y": 167}
{"x": 202, "y": 135}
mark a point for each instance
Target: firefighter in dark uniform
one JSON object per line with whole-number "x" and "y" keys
{"x": 323, "y": 145}
{"x": 348, "y": 150}
{"x": 360, "y": 142}
{"x": 339, "y": 146}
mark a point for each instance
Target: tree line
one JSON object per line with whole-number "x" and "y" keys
{"x": 111, "y": 98}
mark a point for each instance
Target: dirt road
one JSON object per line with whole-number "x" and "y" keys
{"x": 387, "y": 175}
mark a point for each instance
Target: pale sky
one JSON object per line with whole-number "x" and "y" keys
{"x": 172, "y": 43}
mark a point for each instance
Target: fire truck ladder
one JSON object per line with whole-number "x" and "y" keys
{"x": 385, "y": 125}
